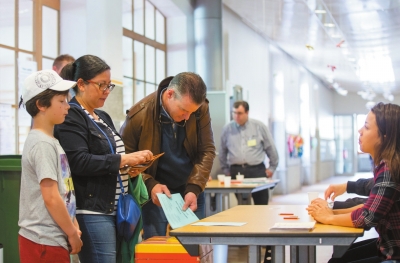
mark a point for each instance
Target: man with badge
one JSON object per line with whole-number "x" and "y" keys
{"x": 244, "y": 144}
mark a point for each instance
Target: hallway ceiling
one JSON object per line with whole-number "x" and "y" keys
{"x": 349, "y": 44}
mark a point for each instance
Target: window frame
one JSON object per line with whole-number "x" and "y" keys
{"x": 147, "y": 42}
{"x": 36, "y": 53}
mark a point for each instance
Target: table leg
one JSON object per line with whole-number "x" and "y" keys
{"x": 278, "y": 254}
{"x": 253, "y": 256}
{"x": 239, "y": 198}
{"x": 218, "y": 203}
{"x": 299, "y": 254}
{"x": 208, "y": 204}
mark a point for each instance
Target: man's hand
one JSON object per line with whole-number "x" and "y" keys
{"x": 159, "y": 189}
{"x": 269, "y": 173}
{"x": 190, "y": 201}
{"x": 335, "y": 190}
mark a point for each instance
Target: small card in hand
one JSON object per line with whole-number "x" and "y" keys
{"x": 141, "y": 166}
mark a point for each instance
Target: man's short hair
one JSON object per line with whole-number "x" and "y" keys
{"x": 243, "y": 103}
{"x": 61, "y": 58}
{"x": 189, "y": 83}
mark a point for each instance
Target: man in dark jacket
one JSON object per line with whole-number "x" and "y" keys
{"x": 175, "y": 120}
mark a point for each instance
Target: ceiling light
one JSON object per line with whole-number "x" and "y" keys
{"x": 341, "y": 91}
{"x": 351, "y": 59}
{"x": 388, "y": 96}
{"x": 376, "y": 69}
{"x": 370, "y": 104}
{"x": 320, "y": 11}
{"x": 329, "y": 24}
{"x": 336, "y": 36}
{"x": 367, "y": 94}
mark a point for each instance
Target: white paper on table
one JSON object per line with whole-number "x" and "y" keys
{"x": 294, "y": 226}
{"x": 219, "y": 224}
{"x": 172, "y": 208}
{"x": 256, "y": 180}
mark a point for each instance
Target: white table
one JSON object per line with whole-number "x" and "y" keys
{"x": 219, "y": 189}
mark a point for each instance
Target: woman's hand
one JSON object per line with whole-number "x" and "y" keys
{"x": 320, "y": 212}
{"x": 133, "y": 172}
{"x": 135, "y": 158}
{"x": 335, "y": 190}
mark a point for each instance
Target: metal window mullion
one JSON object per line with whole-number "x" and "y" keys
{"x": 132, "y": 12}
{"x": 165, "y": 44}
{"x": 16, "y": 32}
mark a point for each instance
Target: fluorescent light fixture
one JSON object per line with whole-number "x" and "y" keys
{"x": 336, "y": 36}
{"x": 376, "y": 69}
{"x": 369, "y": 105}
{"x": 351, "y": 59}
{"x": 329, "y": 24}
{"x": 320, "y": 11}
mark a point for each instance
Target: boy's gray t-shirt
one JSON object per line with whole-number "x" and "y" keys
{"x": 43, "y": 157}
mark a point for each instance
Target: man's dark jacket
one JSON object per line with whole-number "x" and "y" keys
{"x": 142, "y": 131}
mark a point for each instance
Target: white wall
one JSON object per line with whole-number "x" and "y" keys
{"x": 354, "y": 104}
{"x": 252, "y": 62}
{"x": 95, "y": 27}
{"x": 246, "y": 58}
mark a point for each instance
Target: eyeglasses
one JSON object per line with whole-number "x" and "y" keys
{"x": 103, "y": 86}
{"x": 238, "y": 113}
{"x": 171, "y": 122}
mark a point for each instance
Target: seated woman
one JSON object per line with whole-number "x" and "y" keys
{"x": 96, "y": 153}
{"x": 380, "y": 138}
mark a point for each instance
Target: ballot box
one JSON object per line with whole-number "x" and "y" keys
{"x": 168, "y": 250}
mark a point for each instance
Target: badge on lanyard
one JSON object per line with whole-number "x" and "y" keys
{"x": 251, "y": 143}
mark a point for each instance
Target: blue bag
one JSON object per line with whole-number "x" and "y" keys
{"x": 128, "y": 214}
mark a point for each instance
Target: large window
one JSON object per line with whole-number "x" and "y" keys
{"x": 144, "y": 49}
{"x": 29, "y": 41}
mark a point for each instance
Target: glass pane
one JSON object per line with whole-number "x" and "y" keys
{"x": 47, "y": 63}
{"x": 160, "y": 27}
{"x": 26, "y": 66}
{"x": 138, "y": 63}
{"x": 7, "y": 100}
{"x": 7, "y": 25}
{"x": 25, "y": 56}
{"x": 50, "y": 32}
{"x": 7, "y": 129}
{"x": 149, "y": 15}
{"x": 139, "y": 90}
{"x": 150, "y": 64}
{"x": 150, "y": 88}
{"x": 127, "y": 53}
{"x": 344, "y": 144}
{"x": 7, "y": 76}
{"x": 127, "y": 14}
{"x": 138, "y": 10}
{"x": 25, "y": 33}
{"x": 160, "y": 65}
{"x": 127, "y": 94}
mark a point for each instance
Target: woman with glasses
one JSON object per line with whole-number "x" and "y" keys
{"x": 96, "y": 154}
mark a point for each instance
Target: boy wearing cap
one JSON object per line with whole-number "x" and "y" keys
{"x": 48, "y": 228}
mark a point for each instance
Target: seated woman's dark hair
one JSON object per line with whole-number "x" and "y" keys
{"x": 387, "y": 118}
{"x": 85, "y": 67}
